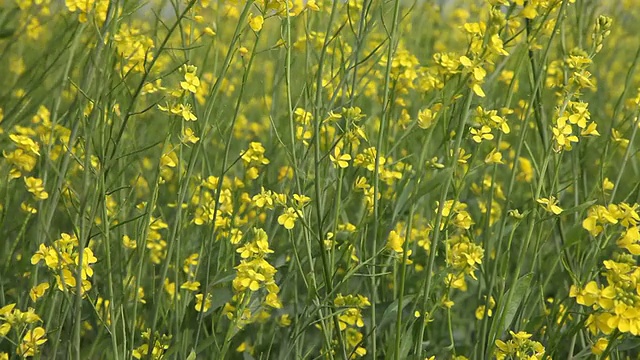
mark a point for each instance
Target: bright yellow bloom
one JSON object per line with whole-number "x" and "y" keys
{"x": 426, "y": 118}
{"x": 190, "y": 285}
{"x": 189, "y": 136}
{"x": 35, "y": 186}
{"x": 38, "y": 291}
{"x": 395, "y": 242}
{"x": 200, "y": 306}
{"x": 550, "y": 204}
{"x": 339, "y": 160}
{"x": 494, "y": 157}
{"x": 191, "y": 82}
{"x": 484, "y": 133}
{"x": 31, "y": 342}
{"x": 129, "y": 243}
{"x": 288, "y": 218}
{"x": 255, "y": 22}
{"x": 301, "y": 200}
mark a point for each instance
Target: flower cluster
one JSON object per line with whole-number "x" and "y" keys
{"x": 350, "y": 320}
{"x": 160, "y": 345}
{"x": 63, "y": 260}
{"x": 254, "y": 272}
{"x": 134, "y": 47}
{"x": 86, "y": 7}
{"x": 614, "y": 302}
{"x": 23, "y": 324}
{"x": 463, "y": 258}
{"x": 519, "y": 347}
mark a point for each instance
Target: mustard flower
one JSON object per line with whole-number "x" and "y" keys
{"x": 301, "y": 200}
{"x": 191, "y": 82}
{"x": 38, "y": 291}
{"x": 483, "y": 133}
{"x": 494, "y": 157}
{"x": 339, "y": 160}
{"x": 550, "y": 204}
{"x": 395, "y": 242}
{"x": 563, "y": 134}
{"x": 519, "y": 346}
{"x": 31, "y": 342}
{"x": 264, "y": 199}
{"x": 201, "y": 305}
{"x": 190, "y": 263}
{"x": 426, "y": 118}
{"x": 190, "y": 285}
{"x": 129, "y": 243}
{"x": 184, "y": 110}
{"x": 189, "y": 137}
{"x": 288, "y": 218}
{"x": 255, "y": 22}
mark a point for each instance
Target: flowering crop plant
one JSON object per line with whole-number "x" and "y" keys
{"x": 319, "y": 179}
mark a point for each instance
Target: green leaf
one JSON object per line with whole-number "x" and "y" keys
{"x": 390, "y": 314}
{"x": 401, "y": 202}
{"x": 507, "y": 311}
{"x": 519, "y": 289}
{"x": 5, "y": 33}
{"x": 434, "y": 183}
{"x": 224, "y": 277}
{"x": 192, "y": 355}
{"x": 579, "y": 208}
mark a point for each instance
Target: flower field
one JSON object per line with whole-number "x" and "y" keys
{"x": 315, "y": 179}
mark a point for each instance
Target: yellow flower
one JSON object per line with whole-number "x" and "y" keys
{"x": 563, "y": 134}
{"x": 426, "y": 118}
{"x": 520, "y": 346}
{"x": 235, "y": 235}
{"x": 38, "y": 291}
{"x": 191, "y": 82}
{"x": 209, "y": 31}
{"x": 592, "y": 294}
{"x": 600, "y": 346}
{"x": 35, "y": 186}
{"x": 284, "y": 320}
{"x": 48, "y": 254}
{"x": 629, "y": 240}
{"x": 128, "y": 242}
{"x": 494, "y": 157}
{"x": 170, "y": 288}
{"x": 184, "y": 111}
{"x": 199, "y": 306}
{"x": 312, "y": 5}
{"x": 25, "y": 143}
{"x": 4, "y": 329}
{"x": 190, "y": 285}
{"x": 496, "y": 45}
{"x": 301, "y": 200}
{"x": 550, "y": 205}
{"x": 255, "y": 22}
{"x": 288, "y": 218}
{"x": 190, "y": 263}
{"x": 263, "y": 199}
{"x": 188, "y": 136}
{"x": 339, "y": 160}
{"x": 31, "y": 341}
{"x": 28, "y": 208}
{"x": 484, "y": 133}
{"x": 395, "y": 242}
{"x": 590, "y": 130}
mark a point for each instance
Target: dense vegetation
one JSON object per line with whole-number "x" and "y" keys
{"x": 312, "y": 179}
